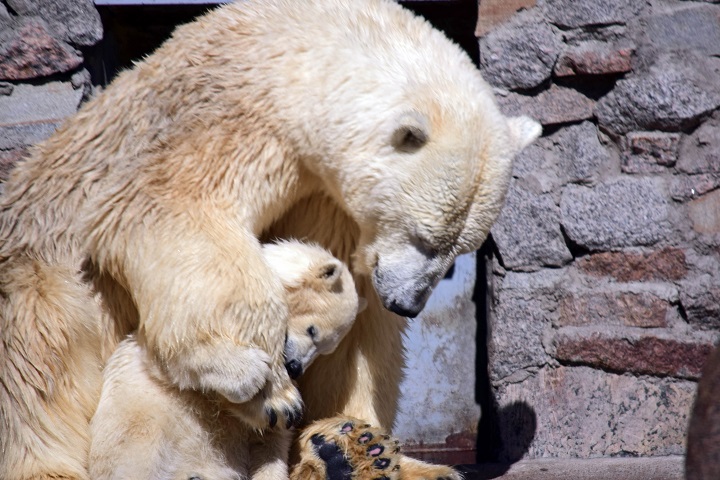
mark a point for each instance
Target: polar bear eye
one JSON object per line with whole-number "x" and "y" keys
{"x": 312, "y": 331}
{"x": 409, "y": 138}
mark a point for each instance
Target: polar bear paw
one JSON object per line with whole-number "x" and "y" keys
{"x": 278, "y": 404}
{"x": 344, "y": 448}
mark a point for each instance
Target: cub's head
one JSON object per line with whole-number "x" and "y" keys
{"x": 321, "y": 297}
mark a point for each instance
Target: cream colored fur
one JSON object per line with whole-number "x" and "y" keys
{"x": 145, "y": 428}
{"x": 351, "y": 122}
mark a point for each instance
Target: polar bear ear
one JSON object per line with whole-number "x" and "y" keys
{"x": 411, "y": 134}
{"x": 525, "y": 130}
{"x": 329, "y": 272}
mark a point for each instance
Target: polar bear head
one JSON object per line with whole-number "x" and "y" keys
{"x": 406, "y": 136}
{"x": 321, "y": 298}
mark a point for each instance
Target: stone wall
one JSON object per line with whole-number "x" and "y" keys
{"x": 606, "y": 264}
{"x": 42, "y": 75}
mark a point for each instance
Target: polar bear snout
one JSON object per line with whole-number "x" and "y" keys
{"x": 405, "y": 279}
{"x": 294, "y": 368}
{"x": 406, "y": 299}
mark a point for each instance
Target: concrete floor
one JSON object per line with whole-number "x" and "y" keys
{"x": 649, "y": 468}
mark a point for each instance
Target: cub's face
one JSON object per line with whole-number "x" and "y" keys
{"x": 321, "y": 298}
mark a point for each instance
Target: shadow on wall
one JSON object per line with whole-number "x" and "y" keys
{"x": 504, "y": 434}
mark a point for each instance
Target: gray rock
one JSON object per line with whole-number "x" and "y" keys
{"x": 700, "y": 152}
{"x": 669, "y": 98}
{"x": 517, "y": 326}
{"x": 580, "y": 154}
{"x": 77, "y": 21}
{"x": 695, "y": 28}
{"x": 629, "y": 212}
{"x": 18, "y": 136}
{"x": 527, "y": 232}
{"x": 519, "y": 56}
{"x": 582, "y": 412}
{"x": 50, "y": 102}
{"x": 701, "y": 301}
{"x": 580, "y": 13}
{"x": 550, "y": 107}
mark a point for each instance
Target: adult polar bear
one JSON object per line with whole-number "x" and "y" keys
{"x": 352, "y": 122}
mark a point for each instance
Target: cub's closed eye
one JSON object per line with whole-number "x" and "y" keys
{"x": 312, "y": 331}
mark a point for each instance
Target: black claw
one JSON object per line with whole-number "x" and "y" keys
{"x": 317, "y": 439}
{"x": 294, "y": 417}
{"x": 272, "y": 417}
{"x": 347, "y": 427}
{"x": 375, "y": 450}
{"x": 381, "y": 463}
{"x": 365, "y": 438}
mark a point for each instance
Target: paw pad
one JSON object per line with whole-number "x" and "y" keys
{"x": 375, "y": 450}
{"x": 346, "y": 448}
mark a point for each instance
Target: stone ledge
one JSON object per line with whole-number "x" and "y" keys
{"x": 656, "y": 468}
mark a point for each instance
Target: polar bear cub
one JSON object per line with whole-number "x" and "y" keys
{"x": 145, "y": 428}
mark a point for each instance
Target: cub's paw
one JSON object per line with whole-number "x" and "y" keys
{"x": 344, "y": 448}
{"x": 282, "y": 401}
{"x": 278, "y": 404}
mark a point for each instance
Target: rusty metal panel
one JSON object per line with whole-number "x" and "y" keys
{"x": 439, "y": 416}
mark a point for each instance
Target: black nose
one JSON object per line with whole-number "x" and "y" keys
{"x": 294, "y": 368}
{"x": 404, "y": 311}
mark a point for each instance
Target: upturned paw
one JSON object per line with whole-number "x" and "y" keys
{"x": 344, "y": 448}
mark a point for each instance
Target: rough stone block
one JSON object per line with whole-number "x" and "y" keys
{"x": 519, "y": 56}
{"x": 667, "y": 99}
{"x": 649, "y": 152}
{"x": 46, "y": 103}
{"x": 628, "y": 212}
{"x": 687, "y": 187}
{"x": 582, "y": 13}
{"x": 580, "y": 154}
{"x": 705, "y": 213}
{"x": 29, "y": 51}
{"x": 77, "y": 21}
{"x": 695, "y": 28}
{"x": 700, "y": 152}
{"x": 492, "y": 13}
{"x": 624, "y": 350}
{"x": 552, "y": 106}
{"x": 517, "y": 325}
{"x": 581, "y": 412}
{"x": 667, "y": 264}
{"x": 701, "y": 302}
{"x": 527, "y": 232}
{"x": 630, "y": 309}
{"x": 19, "y": 136}
{"x": 594, "y": 58}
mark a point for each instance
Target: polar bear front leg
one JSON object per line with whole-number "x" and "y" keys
{"x": 211, "y": 312}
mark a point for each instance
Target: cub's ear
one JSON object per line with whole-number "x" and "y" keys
{"x": 329, "y": 272}
{"x": 525, "y": 130}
